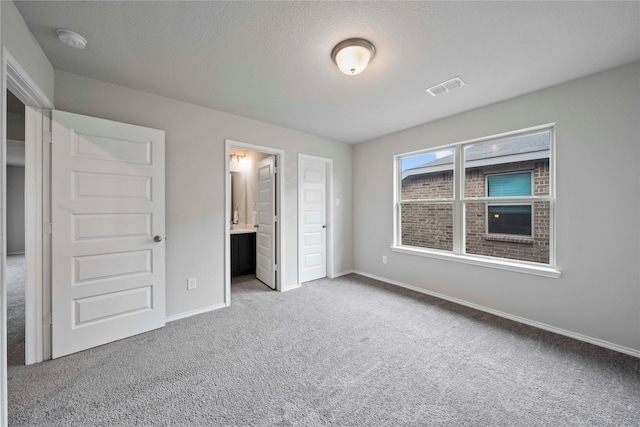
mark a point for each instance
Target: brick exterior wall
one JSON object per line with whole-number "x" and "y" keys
{"x": 431, "y": 226}
{"x": 428, "y": 226}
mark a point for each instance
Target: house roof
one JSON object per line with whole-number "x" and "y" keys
{"x": 508, "y": 150}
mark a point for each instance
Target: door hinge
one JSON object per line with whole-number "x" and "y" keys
{"x": 275, "y": 169}
{"x": 48, "y": 319}
{"x": 47, "y": 228}
{"x": 48, "y": 137}
{"x": 275, "y": 267}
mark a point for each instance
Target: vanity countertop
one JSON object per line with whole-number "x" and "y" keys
{"x": 242, "y": 230}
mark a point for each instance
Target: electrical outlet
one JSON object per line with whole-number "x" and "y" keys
{"x": 384, "y": 259}
{"x": 191, "y": 283}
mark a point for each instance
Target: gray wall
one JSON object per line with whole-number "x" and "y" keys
{"x": 195, "y": 152}
{"x": 17, "y": 38}
{"x": 15, "y": 209}
{"x": 597, "y": 210}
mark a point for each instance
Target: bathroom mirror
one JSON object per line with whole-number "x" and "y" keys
{"x": 238, "y": 198}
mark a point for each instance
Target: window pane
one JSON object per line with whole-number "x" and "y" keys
{"x": 509, "y": 184}
{"x": 513, "y": 154}
{"x": 532, "y": 248}
{"x": 509, "y": 220}
{"x": 427, "y": 225}
{"x": 427, "y": 175}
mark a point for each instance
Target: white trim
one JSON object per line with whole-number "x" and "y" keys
{"x": 459, "y": 215}
{"x": 482, "y": 261}
{"x": 229, "y": 144}
{"x": 34, "y": 310}
{"x": 3, "y": 242}
{"x": 329, "y": 212}
{"x": 227, "y": 226}
{"x": 523, "y": 320}
{"x": 291, "y": 287}
{"x": 16, "y": 79}
{"x": 46, "y": 237}
{"x": 502, "y": 135}
{"x": 342, "y": 273}
{"x": 186, "y": 314}
{"x": 21, "y": 84}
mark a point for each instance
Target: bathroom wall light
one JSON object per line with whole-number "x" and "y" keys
{"x": 353, "y": 55}
{"x": 237, "y": 157}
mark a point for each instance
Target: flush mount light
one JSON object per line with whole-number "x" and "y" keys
{"x": 71, "y": 39}
{"x": 353, "y": 55}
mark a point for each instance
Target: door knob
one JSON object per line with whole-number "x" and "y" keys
{"x": 157, "y": 239}
{"x": 324, "y": 226}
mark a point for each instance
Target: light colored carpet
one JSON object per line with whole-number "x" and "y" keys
{"x": 345, "y": 352}
{"x": 15, "y": 310}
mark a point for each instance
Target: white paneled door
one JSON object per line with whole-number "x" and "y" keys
{"x": 107, "y": 189}
{"x": 312, "y": 176}
{"x": 266, "y": 219}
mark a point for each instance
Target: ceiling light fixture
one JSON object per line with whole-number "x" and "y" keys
{"x": 353, "y": 55}
{"x": 71, "y": 39}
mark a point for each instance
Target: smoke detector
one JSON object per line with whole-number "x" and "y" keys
{"x": 71, "y": 38}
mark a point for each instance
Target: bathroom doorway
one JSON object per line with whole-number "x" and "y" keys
{"x": 15, "y": 226}
{"x": 253, "y": 232}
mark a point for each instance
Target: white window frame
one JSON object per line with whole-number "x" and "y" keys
{"x": 459, "y": 202}
{"x": 497, "y": 202}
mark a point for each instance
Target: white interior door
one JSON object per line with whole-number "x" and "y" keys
{"x": 107, "y": 206}
{"x": 312, "y": 182}
{"x": 266, "y": 219}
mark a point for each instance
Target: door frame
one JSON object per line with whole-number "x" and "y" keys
{"x": 37, "y": 246}
{"x": 279, "y": 235}
{"x": 329, "y": 211}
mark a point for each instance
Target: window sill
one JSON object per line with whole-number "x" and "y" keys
{"x": 509, "y": 239}
{"x": 500, "y": 264}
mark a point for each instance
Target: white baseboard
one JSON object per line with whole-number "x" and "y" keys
{"x": 194, "y": 312}
{"x": 343, "y": 273}
{"x": 535, "y": 324}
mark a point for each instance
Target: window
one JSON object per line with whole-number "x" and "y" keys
{"x": 427, "y": 200}
{"x": 488, "y": 198}
{"x": 509, "y": 219}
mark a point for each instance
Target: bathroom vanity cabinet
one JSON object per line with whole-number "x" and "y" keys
{"x": 243, "y": 254}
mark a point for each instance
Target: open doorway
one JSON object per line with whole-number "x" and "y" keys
{"x": 15, "y": 226}
{"x": 253, "y": 204}
{"x": 37, "y": 337}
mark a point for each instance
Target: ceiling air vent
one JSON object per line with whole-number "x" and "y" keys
{"x": 443, "y": 87}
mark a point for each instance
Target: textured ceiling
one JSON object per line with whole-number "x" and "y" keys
{"x": 270, "y": 61}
